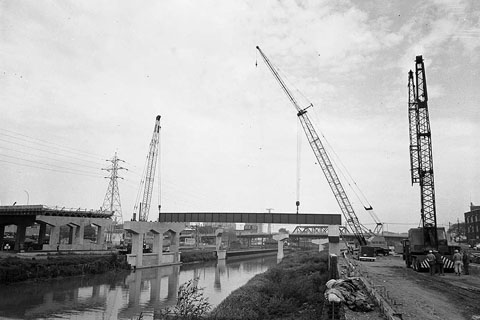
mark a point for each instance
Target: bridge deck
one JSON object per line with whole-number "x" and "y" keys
{"x": 32, "y": 210}
{"x": 249, "y": 217}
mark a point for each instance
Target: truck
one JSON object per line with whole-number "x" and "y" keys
{"x": 364, "y": 253}
{"x": 379, "y": 244}
{"x": 415, "y": 251}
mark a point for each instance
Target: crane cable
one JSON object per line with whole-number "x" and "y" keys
{"x": 159, "y": 165}
{"x": 349, "y": 179}
{"x": 299, "y": 153}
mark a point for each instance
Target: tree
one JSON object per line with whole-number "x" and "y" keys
{"x": 191, "y": 304}
{"x": 283, "y": 230}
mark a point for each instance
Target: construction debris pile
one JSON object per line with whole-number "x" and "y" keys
{"x": 348, "y": 291}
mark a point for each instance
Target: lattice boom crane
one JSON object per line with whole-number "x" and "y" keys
{"x": 143, "y": 206}
{"x": 421, "y": 155}
{"x": 323, "y": 159}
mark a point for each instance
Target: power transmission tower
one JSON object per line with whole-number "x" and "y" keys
{"x": 112, "y": 197}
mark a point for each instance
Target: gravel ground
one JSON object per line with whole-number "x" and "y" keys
{"x": 419, "y": 295}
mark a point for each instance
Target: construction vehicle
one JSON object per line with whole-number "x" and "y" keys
{"x": 428, "y": 236}
{"x": 144, "y": 195}
{"x": 325, "y": 163}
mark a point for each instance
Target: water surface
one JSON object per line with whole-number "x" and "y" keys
{"x": 124, "y": 295}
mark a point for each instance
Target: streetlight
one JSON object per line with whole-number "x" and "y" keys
{"x": 28, "y": 196}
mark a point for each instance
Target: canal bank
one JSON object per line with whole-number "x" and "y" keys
{"x": 292, "y": 289}
{"x": 123, "y": 294}
{"x": 48, "y": 265}
{"x": 15, "y": 269}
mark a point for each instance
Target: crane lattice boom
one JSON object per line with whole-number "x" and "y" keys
{"x": 323, "y": 160}
{"x": 151, "y": 165}
{"x": 421, "y": 156}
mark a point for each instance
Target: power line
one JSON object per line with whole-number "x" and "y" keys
{"x": 58, "y": 146}
{"x": 47, "y": 151}
{"x": 45, "y": 164}
{"x": 41, "y": 156}
{"x": 49, "y": 169}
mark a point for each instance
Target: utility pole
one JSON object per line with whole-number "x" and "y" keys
{"x": 112, "y": 196}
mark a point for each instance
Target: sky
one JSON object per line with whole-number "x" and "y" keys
{"x": 83, "y": 80}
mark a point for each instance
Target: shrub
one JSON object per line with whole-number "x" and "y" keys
{"x": 15, "y": 269}
{"x": 293, "y": 289}
{"x": 191, "y": 304}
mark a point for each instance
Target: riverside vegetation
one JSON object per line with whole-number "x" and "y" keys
{"x": 14, "y": 269}
{"x": 291, "y": 290}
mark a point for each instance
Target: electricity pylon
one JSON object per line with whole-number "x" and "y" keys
{"x": 112, "y": 197}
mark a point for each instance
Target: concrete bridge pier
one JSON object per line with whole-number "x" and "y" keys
{"x": 41, "y": 233}
{"x": 100, "y": 234}
{"x": 79, "y": 233}
{"x": 20, "y": 238}
{"x": 137, "y": 248}
{"x": 221, "y": 252}
{"x": 54, "y": 236}
{"x": 71, "y": 233}
{"x": 76, "y": 234}
{"x": 280, "y": 238}
{"x": 334, "y": 239}
{"x": 175, "y": 245}
{"x": 158, "y": 247}
{"x": 138, "y": 229}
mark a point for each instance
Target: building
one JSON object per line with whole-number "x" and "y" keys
{"x": 472, "y": 224}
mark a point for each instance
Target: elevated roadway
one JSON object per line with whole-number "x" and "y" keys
{"x": 251, "y": 217}
{"x": 24, "y": 216}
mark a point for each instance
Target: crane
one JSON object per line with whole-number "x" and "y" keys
{"x": 421, "y": 156}
{"x": 323, "y": 159}
{"x": 428, "y": 236}
{"x": 143, "y": 206}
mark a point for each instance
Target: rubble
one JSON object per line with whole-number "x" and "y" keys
{"x": 350, "y": 292}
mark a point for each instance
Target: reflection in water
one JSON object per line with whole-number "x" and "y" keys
{"x": 123, "y": 295}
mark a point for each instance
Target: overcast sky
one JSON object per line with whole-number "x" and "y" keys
{"x": 81, "y": 80}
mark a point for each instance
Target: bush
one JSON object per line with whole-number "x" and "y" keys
{"x": 15, "y": 269}
{"x": 191, "y": 304}
{"x": 291, "y": 290}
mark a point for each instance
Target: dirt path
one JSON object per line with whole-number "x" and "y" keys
{"x": 419, "y": 295}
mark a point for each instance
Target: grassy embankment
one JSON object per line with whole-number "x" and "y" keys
{"x": 291, "y": 290}
{"x": 14, "y": 269}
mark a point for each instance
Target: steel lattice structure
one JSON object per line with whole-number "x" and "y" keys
{"x": 412, "y": 120}
{"x": 111, "y": 201}
{"x": 421, "y": 156}
{"x": 316, "y": 230}
{"x": 143, "y": 206}
{"x": 323, "y": 159}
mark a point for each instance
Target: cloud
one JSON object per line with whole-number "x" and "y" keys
{"x": 437, "y": 26}
{"x": 93, "y": 75}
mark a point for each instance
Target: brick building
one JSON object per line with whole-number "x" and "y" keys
{"x": 472, "y": 224}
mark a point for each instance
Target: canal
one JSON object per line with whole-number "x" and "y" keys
{"x": 124, "y": 295}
